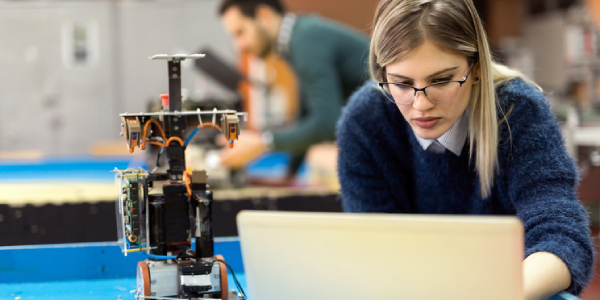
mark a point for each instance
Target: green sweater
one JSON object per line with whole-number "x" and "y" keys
{"x": 330, "y": 61}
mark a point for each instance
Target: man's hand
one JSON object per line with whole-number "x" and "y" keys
{"x": 249, "y": 147}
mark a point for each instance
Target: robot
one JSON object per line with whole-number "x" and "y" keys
{"x": 168, "y": 215}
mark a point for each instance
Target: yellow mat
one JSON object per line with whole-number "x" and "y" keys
{"x": 56, "y": 192}
{"x": 40, "y": 193}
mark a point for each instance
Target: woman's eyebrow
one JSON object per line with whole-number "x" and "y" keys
{"x": 428, "y": 77}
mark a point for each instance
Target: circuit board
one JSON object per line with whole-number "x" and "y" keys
{"x": 130, "y": 205}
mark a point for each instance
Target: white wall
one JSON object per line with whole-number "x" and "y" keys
{"x": 47, "y": 105}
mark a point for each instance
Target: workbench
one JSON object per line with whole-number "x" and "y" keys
{"x": 92, "y": 271}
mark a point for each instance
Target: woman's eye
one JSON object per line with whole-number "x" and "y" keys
{"x": 442, "y": 79}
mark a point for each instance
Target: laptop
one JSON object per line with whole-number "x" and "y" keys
{"x": 300, "y": 256}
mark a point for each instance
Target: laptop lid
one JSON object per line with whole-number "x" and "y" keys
{"x": 299, "y": 256}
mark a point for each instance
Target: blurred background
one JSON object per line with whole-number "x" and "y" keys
{"x": 68, "y": 68}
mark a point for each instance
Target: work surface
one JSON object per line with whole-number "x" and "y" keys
{"x": 90, "y": 271}
{"x": 83, "y": 271}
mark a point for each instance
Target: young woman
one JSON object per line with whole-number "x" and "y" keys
{"x": 446, "y": 130}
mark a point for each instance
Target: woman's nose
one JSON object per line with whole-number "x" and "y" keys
{"x": 421, "y": 102}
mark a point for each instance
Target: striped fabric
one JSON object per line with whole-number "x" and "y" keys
{"x": 453, "y": 140}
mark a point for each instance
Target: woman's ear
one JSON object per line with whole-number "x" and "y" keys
{"x": 476, "y": 73}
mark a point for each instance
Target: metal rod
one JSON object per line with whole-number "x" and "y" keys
{"x": 183, "y": 113}
{"x": 200, "y": 117}
{"x": 177, "y": 56}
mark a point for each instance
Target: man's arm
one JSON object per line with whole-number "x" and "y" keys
{"x": 322, "y": 99}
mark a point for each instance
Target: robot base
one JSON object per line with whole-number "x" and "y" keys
{"x": 163, "y": 279}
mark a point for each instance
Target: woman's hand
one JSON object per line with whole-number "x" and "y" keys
{"x": 544, "y": 275}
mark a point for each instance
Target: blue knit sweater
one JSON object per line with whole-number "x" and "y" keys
{"x": 382, "y": 168}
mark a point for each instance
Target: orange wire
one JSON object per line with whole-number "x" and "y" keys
{"x": 162, "y": 133}
{"x": 159, "y": 128}
{"x": 174, "y": 138}
{"x": 157, "y": 144}
{"x": 210, "y": 124}
{"x": 186, "y": 180}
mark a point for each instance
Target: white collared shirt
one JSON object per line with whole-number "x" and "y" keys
{"x": 284, "y": 36}
{"x": 453, "y": 140}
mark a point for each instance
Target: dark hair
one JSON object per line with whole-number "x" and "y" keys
{"x": 248, "y": 7}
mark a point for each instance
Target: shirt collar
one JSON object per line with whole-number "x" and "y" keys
{"x": 454, "y": 139}
{"x": 282, "y": 44}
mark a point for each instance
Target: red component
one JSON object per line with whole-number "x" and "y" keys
{"x": 224, "y": 286}
{"x": 143, "y": 279}
{"x": 165, "y": 99}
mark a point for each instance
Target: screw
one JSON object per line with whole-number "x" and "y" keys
{"x": 175, "y": 119}
{"x": 122, "y": 125}
{"x": 174, "y": 75}
{"x": 173, "y": 177}
{"x": 179, "y": 177}
{"x": 121, "y": 134}
{"x": 176, "y": 127}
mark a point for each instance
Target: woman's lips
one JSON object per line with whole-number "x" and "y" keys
{"x": 427, "y": 123}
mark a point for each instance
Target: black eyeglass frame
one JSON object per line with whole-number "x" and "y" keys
{"x": 461, "y": 82}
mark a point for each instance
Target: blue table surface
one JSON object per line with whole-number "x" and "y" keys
{"x": 92, "y": 168}
{"x": 66, "y": 271}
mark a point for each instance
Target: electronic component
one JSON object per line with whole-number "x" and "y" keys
{"x": 231, "y": 128}
{"x": 131, "y": 131}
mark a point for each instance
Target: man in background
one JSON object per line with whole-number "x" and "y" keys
{"x": 329, "y": 60}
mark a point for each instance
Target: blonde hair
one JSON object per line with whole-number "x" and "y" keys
{"x": 401, "y": 26}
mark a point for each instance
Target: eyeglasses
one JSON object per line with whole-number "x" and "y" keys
{"x": 439, "y": 92}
